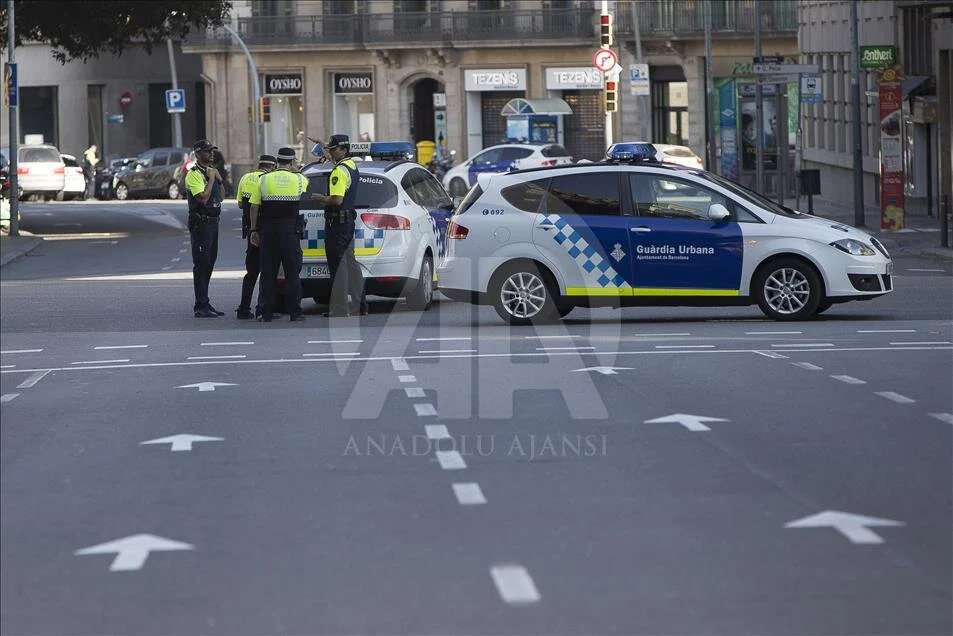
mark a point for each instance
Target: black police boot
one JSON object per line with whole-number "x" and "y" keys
{"x": 205, "y": 312}
{"x": 215, "y": 311}
{"x": 297, "y": 317}
{"x": 244, "y": 314}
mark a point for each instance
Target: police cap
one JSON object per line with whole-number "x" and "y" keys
{"x": 338, "y": 141}
{"x": 266, "y": 160}
{"x": 203, "y": 144}
{"x": 286, "y": 155}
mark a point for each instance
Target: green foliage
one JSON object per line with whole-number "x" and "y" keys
{"x": 84, "y": 29}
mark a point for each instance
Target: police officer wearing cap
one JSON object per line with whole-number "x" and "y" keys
{"x": 276, "y": 228}
{"x": 339, "y": 219}
{"x": 248, "y": 184}
{"x": 203, "y": 187}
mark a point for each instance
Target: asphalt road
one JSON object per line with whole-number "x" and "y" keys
{"x": 651, "y": 471}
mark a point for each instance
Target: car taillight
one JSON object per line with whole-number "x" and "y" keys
{"x": 548, "y": 162}
{"x": 456, "y": 231}
{"x": 23, "y": 170}
{"x": 377, "y": 221}
{"x": 59, "y": 170}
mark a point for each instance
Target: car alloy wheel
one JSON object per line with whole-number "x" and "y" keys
{"x": 789, "y": 289}
{"x": 523, "y": 296}
{"x": 122, "y": 191}
{"x": 173, "y": 190}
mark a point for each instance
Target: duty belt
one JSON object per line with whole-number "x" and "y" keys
{"x": 341, "y": 216}
{"x": 205, "y": 218}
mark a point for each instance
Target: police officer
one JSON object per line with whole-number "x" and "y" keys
{"x": 339, "y": 218}
{"x": 248, "y": 184}
{"x": 276, "y": 228}
{"x": 203, "y": 186}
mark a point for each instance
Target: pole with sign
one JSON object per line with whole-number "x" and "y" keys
{"x": 10, "y": 75}
{"x": 607, "y": 61}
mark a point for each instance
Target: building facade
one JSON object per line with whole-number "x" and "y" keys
{"x": 922, "y": 32}
{"x": 116, "y": 103}
{"x": 443, "y": 70}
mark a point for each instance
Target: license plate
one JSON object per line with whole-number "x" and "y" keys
{"x": 317, "y": 271}
{"x": 890, "y": 268}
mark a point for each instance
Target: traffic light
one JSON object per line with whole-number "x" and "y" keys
{"x": 605, "y": 29}
{"x": 264, "y": 109}
{"x": 612, "y": 96}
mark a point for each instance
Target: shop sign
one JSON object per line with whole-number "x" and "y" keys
{"x": 891, "y": 148}
{"x": 878, "y": 56}
{"x": 353, "y": 83}
{"x": 285, "y": 84}
{"x": 574, "y": 79}
{"x": 500, "y": 79}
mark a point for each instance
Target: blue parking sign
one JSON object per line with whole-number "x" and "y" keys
{"x": 175, "y": 101}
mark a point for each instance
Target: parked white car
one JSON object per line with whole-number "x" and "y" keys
{"x": 40, "y": 171}
{"x": 502, "y": 158}
{"x": 74, "y": 186}
{"x": 666, "y": 153}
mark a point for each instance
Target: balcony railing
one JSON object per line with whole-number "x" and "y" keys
{"x": 444, "y": 28}
{"x": 686, "y": 18}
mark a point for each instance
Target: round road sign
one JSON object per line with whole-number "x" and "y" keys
{"x": 605, "y": 60}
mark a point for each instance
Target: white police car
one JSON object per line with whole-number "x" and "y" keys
{"x": 632, "y": 231}
{"x": 402, "y": 216}
{"x": 503, "y": 158}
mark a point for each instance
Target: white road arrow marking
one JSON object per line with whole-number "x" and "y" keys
{"x": 691, "y": 422}
{"x": 132, "y": 551}
{"x": 854, "y": 527}
{"x": 205, "y": 386}
{"x": 604, "y": 370}
{"x": 183, "y": 441}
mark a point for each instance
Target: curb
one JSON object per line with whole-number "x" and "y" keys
{"x": 23, "y": 246}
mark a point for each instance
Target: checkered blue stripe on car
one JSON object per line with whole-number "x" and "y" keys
{"x": 586, "y": 256}
{"x": 363, "y": 238}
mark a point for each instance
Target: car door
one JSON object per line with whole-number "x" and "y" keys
{"x": 678, "y": 249}
{"x": 486, "y": 161}
{"x": 581, "y": 229}
{"x": 138, "y": 176}
{"x": 156, "y": 179}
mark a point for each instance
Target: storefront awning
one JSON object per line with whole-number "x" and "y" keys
{"x": 914, "y": 84}
{"x": 521, "y": 106}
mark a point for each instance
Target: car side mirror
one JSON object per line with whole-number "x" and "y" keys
{"x": 718, "y": 212}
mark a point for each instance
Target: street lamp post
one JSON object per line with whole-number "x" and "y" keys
{"x": 253, "y": 70}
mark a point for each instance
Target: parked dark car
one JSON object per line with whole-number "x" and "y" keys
{"x": 158, "y": 172}
{"x": 105, "y": 174}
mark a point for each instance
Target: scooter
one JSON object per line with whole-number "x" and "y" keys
{"x": 439, "y": 165}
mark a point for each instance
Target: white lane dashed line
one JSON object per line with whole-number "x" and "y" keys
{"x": 771, "y": 354}
{"x": 442, "y": 339}
{"x": 808, "y": 366}
{"x": 514, "y": 584}
{"x": 167, "y": 267}
{"x": 469, "y": 494}
{"x": 805, "y": 345}
{"x": 330, "y": 354}
{"x": 905, "y": 344}
{"x": 414, "y": 392}
{"x": 943, "y": 417}
{"x": 437, "y": 431}
{"x": 8, "y": 397}
{"x": 335, "y": 341}
{"x": 20, "y": 351}
{"x": 101, "y": 361}
{"x": 399, "y": 364}
{"x": 8, "y": 366}
{"x": 447, "y": 351}
{"x": 684, "y": 346}
{"x": 120, "y": 347}
{"x": 225, "y": 344}
{"x": 564, "y": 348}
{"x": 886, "y": 331}
{"x": 773, "y": 333}
{"x": 549, "y": 337}
{"x": 920, "y": 269}
{"x": 235, "y": 357}
{"x": 895, "y": 397}
{"x": 425, "y": 409}
{"x": 659, "y": 335}
{"x": 407, "y": 378}
{"x": 176, "y": 260}
{"x": 33, "y": 379}
{"x": 451, "y": 460}
{"x": 847, "y": 379}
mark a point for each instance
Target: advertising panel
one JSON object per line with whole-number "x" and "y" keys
{"x": 891, "y": 148}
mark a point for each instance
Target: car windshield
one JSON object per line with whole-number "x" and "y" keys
{"x": 38, "y": 155}
{"x": 750, "y": 195}
{"x": 373, "y": 191}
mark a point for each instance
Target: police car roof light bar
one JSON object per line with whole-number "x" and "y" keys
{"x": 632, "y": 153}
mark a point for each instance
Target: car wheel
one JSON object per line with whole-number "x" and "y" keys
{"x": 421, "y": 297}
{"x": 122, "y": 191}
{"x": 788, "y": 289}
{"x": 173, "y": 190}
{"x": 458, "y": 188}
{"x": 522, "y": 294}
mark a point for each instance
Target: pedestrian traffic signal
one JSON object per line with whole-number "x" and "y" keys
{"x": 605, "y": 30}
{"x": 264, "y": 109}
{"x": 612, "y": 96}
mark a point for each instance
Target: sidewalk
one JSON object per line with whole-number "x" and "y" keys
{"x": 13, "y": 247}
{"x": 921, "y": 236}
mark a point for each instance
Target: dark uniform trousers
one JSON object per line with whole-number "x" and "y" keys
{"x": 280, "y": 244}
{"x": 346, "y": 276}
{"x": 252, "y": 270}
{"x": 203, "y": 230}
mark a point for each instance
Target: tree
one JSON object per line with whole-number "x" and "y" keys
{"x": 84, "y": 29}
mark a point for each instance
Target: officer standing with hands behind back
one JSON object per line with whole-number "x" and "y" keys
{"x": 203, "y": 187}
{"x": 276, "y": 227}
{"x": 248, "y": 184}
{"x": 339, "y": 219}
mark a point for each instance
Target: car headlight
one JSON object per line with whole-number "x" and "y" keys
{"x": 854, "y": 247}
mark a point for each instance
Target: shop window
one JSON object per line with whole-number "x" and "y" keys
{"x": 287, "y": 121}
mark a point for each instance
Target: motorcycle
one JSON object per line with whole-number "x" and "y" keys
{"x": 441, "y": 164}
